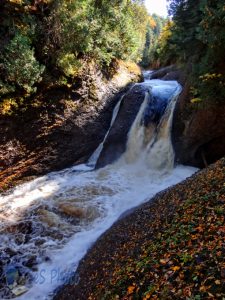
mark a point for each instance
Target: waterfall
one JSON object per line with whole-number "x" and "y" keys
{"x": 48, "y": 224}
{"x": 160, "y": 151}
{"x": 152, "y": 143}
{"x": 138, "y": 135}
{"x": 94, "y": 157}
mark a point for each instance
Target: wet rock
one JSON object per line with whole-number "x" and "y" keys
{"x": 162, "y": 72}
{"x": 10, "y": 252}
{"x": 91, "y": 213}
{"x": 55, "y": 235}
{"x": 31, "y": 261}
{"x": 115, "y": 143}
{"x": 198, "y": 134}
{"x": 19, "y": 290}
{"x": 49, "y": 218}
{"x": 71, "y": 210}
{"x": 39, "y": 242}
{"x": 11, "y": 274}
{"x": 47, "y": 258}
{"x": 170, "y": 73}
{"x": 21, "y": 227}
{"x": 20, "y": 239}
{"x": 154, "y": 110}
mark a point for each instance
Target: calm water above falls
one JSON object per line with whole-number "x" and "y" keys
{"x": 47, "y": 225}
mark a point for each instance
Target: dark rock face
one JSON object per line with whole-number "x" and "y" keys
{"x": 198, "y": 133}
{"x": 162, "y": 72}
{"x": 154, "y": 110}
{"x": 169, "y": 73}
{"x": 62, "y": 130}
{"x": 115, "y": 143}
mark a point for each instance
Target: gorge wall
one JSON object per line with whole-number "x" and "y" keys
{"x": 198, "y": 129}
{"x": 198, "y": 132}
{"x": 66, "y": 128}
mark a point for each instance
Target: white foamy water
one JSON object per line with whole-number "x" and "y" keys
{"x": 68, "y": 210}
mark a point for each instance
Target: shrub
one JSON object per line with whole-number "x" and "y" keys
{"x": 22, "y": 68}
{"x": 69, "y": 65}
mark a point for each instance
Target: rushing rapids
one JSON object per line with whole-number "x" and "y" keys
{"x": 47, "y": 225}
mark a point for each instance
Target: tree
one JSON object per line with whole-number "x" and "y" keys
{"x": 198, "y": 39}
{"x": 153, "y": 30}
{"x": 22, "y": 68}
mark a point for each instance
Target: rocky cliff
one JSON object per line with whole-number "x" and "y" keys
{"x": 63, "y": 125}
{"x": 198, "y": 132}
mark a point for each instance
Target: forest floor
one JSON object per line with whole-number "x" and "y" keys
{"x": 172, "y": 247}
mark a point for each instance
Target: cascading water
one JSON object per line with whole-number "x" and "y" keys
{"x": 149, "y": 140}
{"x": 48, "y": 224}
{"x": 94, "y": 157}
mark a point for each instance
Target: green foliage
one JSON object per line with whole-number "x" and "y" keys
{"x": 69, "y": 64}
{"x": 197, "y": 39}
{"x": 154, "y": 29}
{"x": 6, "y": 88}
{"x": 60, "y": 37}
{"x": 102, "y": 30}
{"x": 20, "y": 64}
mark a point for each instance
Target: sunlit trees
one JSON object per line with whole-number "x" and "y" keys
{"x": 197, "y": 39}
{"x": 154, "y": 28}
{"x": 55, "y": 37}
{"x": 21, "y": 67}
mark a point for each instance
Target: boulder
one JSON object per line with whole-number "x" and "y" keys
{"x": 170, "y": 73}
{"x": 49, "y": 218}
{"x": 71, "y": 210}
{"x": 115, "y": 143}
{"x": 198, "y": 132}
{"x": 162, "y": 72}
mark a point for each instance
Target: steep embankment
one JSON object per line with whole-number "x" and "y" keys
{"x": 170, "y": 248}
{"x": 62, "y": 125}
{"x": 198, "y": 132}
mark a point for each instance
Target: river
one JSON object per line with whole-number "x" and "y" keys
{"x": 48, "y": 224}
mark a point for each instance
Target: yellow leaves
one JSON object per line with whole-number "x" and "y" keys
{"x": 147, "y": 296}
{"x": 166, "y": 33}
{"x": 195, "y": 93}
{"x": 164, "y": 261}
{"x": 152, "y": 22}
{"x": 199, "y": 229}
{"x": 177, "y": 261}
{"x": 217, "y": 282}
{"x": 17, "y": 1}
{"x": 69, "y": 64}
{"x": 204, "y": 288}
{"x": 131, "y": 289}
{"x": 196, "y": 100}
{"x": 175, "y": 268}
{"x": 210, "y": 76}
{"x": 8, "y": 105}
{"x": 131, "y": 66}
